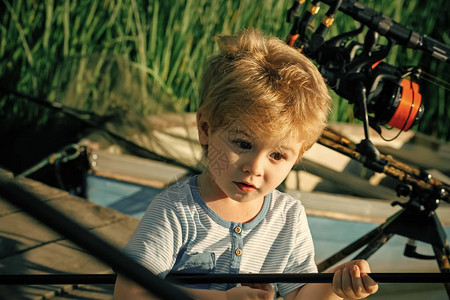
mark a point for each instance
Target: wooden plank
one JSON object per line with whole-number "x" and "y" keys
{"x": 352, "y": 184}
{"x": 354, "y": 208}
{"x": 6, "y": 208}
{"x": 43, "y": 191}
{"x": 421, "y": 156}
{"x": 87, "y": 213}
{"x": 33, "y": 292}
{"x": 345, "y": 207}
{"x": 51, "y": 258}
{"x": 29, "y": 247}
{"x": 91, "y": 292}
{"x": 20, "y": 232}
{"x": 135, "y": 169}
{"x": 117, "y": 234}
{"x": 36, "y": 187}
{"x": 63, "y": 257}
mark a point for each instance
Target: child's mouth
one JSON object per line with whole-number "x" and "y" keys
{"x": 245, "y": 187}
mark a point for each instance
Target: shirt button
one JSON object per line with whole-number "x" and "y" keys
{"x": 237, "y": 229}
{"x": 238, "y": 252}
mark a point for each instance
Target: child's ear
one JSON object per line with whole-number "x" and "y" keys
{"x": 203, "y": 129}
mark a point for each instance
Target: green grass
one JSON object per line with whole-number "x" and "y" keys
{"x": 147, "y": 56}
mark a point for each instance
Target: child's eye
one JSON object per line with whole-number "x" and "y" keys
{"x": 277, "y": 156}
{"x": 243, "y": 144}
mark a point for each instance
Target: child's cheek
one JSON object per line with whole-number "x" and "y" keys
{"x": 218, "y": 160}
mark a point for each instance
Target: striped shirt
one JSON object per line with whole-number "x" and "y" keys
{"x": 181, "y": 233}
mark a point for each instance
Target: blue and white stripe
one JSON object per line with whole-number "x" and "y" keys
{"x": 180, "y": 233}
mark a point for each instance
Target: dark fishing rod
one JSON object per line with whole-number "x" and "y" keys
{"x": 388, "y": 165}
{"x": 223, "y": 278}
{"x": 387, "y": 27}
{"x": 382, "y": 94}
{"x": 374, "y": 20}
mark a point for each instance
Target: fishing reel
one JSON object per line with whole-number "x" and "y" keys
{"x": 393, "y": 99}
{"x": 382, "y": 94}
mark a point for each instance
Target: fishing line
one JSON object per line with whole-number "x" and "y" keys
{"x": 437, "y": 81}
{"x": 409, "y": 95}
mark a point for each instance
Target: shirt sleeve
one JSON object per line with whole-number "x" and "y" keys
{"x": 158, "y": 237}
{"x": 301, "y": 259}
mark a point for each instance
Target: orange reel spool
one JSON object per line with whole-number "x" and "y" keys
{"x": 408, "y": 107}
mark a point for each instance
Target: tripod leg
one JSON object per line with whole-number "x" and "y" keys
{"x": 374, "y": 245}
{"x": 349, "y": 249}
{"x": 375, "y": 234}
{"x": 443, "y": 260}
{"x": 447, "y": 249}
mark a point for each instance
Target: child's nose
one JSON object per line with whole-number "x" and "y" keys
{"x": 254, "y": 164}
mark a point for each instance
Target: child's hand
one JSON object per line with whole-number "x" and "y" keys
{"x": 251, "y": 291}
{"x": 351, "y": 281}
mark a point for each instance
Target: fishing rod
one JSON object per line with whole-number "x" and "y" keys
{"x": 183, "y": 278}
{"x": 389, "y": 166}
{"x": 382, "y": 94}
{"x": 374, "y": 20}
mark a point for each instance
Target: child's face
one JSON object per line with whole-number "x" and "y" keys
{"x": 245, "y": 167}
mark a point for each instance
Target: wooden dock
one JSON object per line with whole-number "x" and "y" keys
{"x": 29, "y": 247}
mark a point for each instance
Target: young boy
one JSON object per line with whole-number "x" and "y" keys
{"x": 263, "y": 105}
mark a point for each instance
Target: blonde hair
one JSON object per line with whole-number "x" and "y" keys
{"x": 269, "y": 87}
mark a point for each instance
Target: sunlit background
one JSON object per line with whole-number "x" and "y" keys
{"x": 142, "y": 57}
